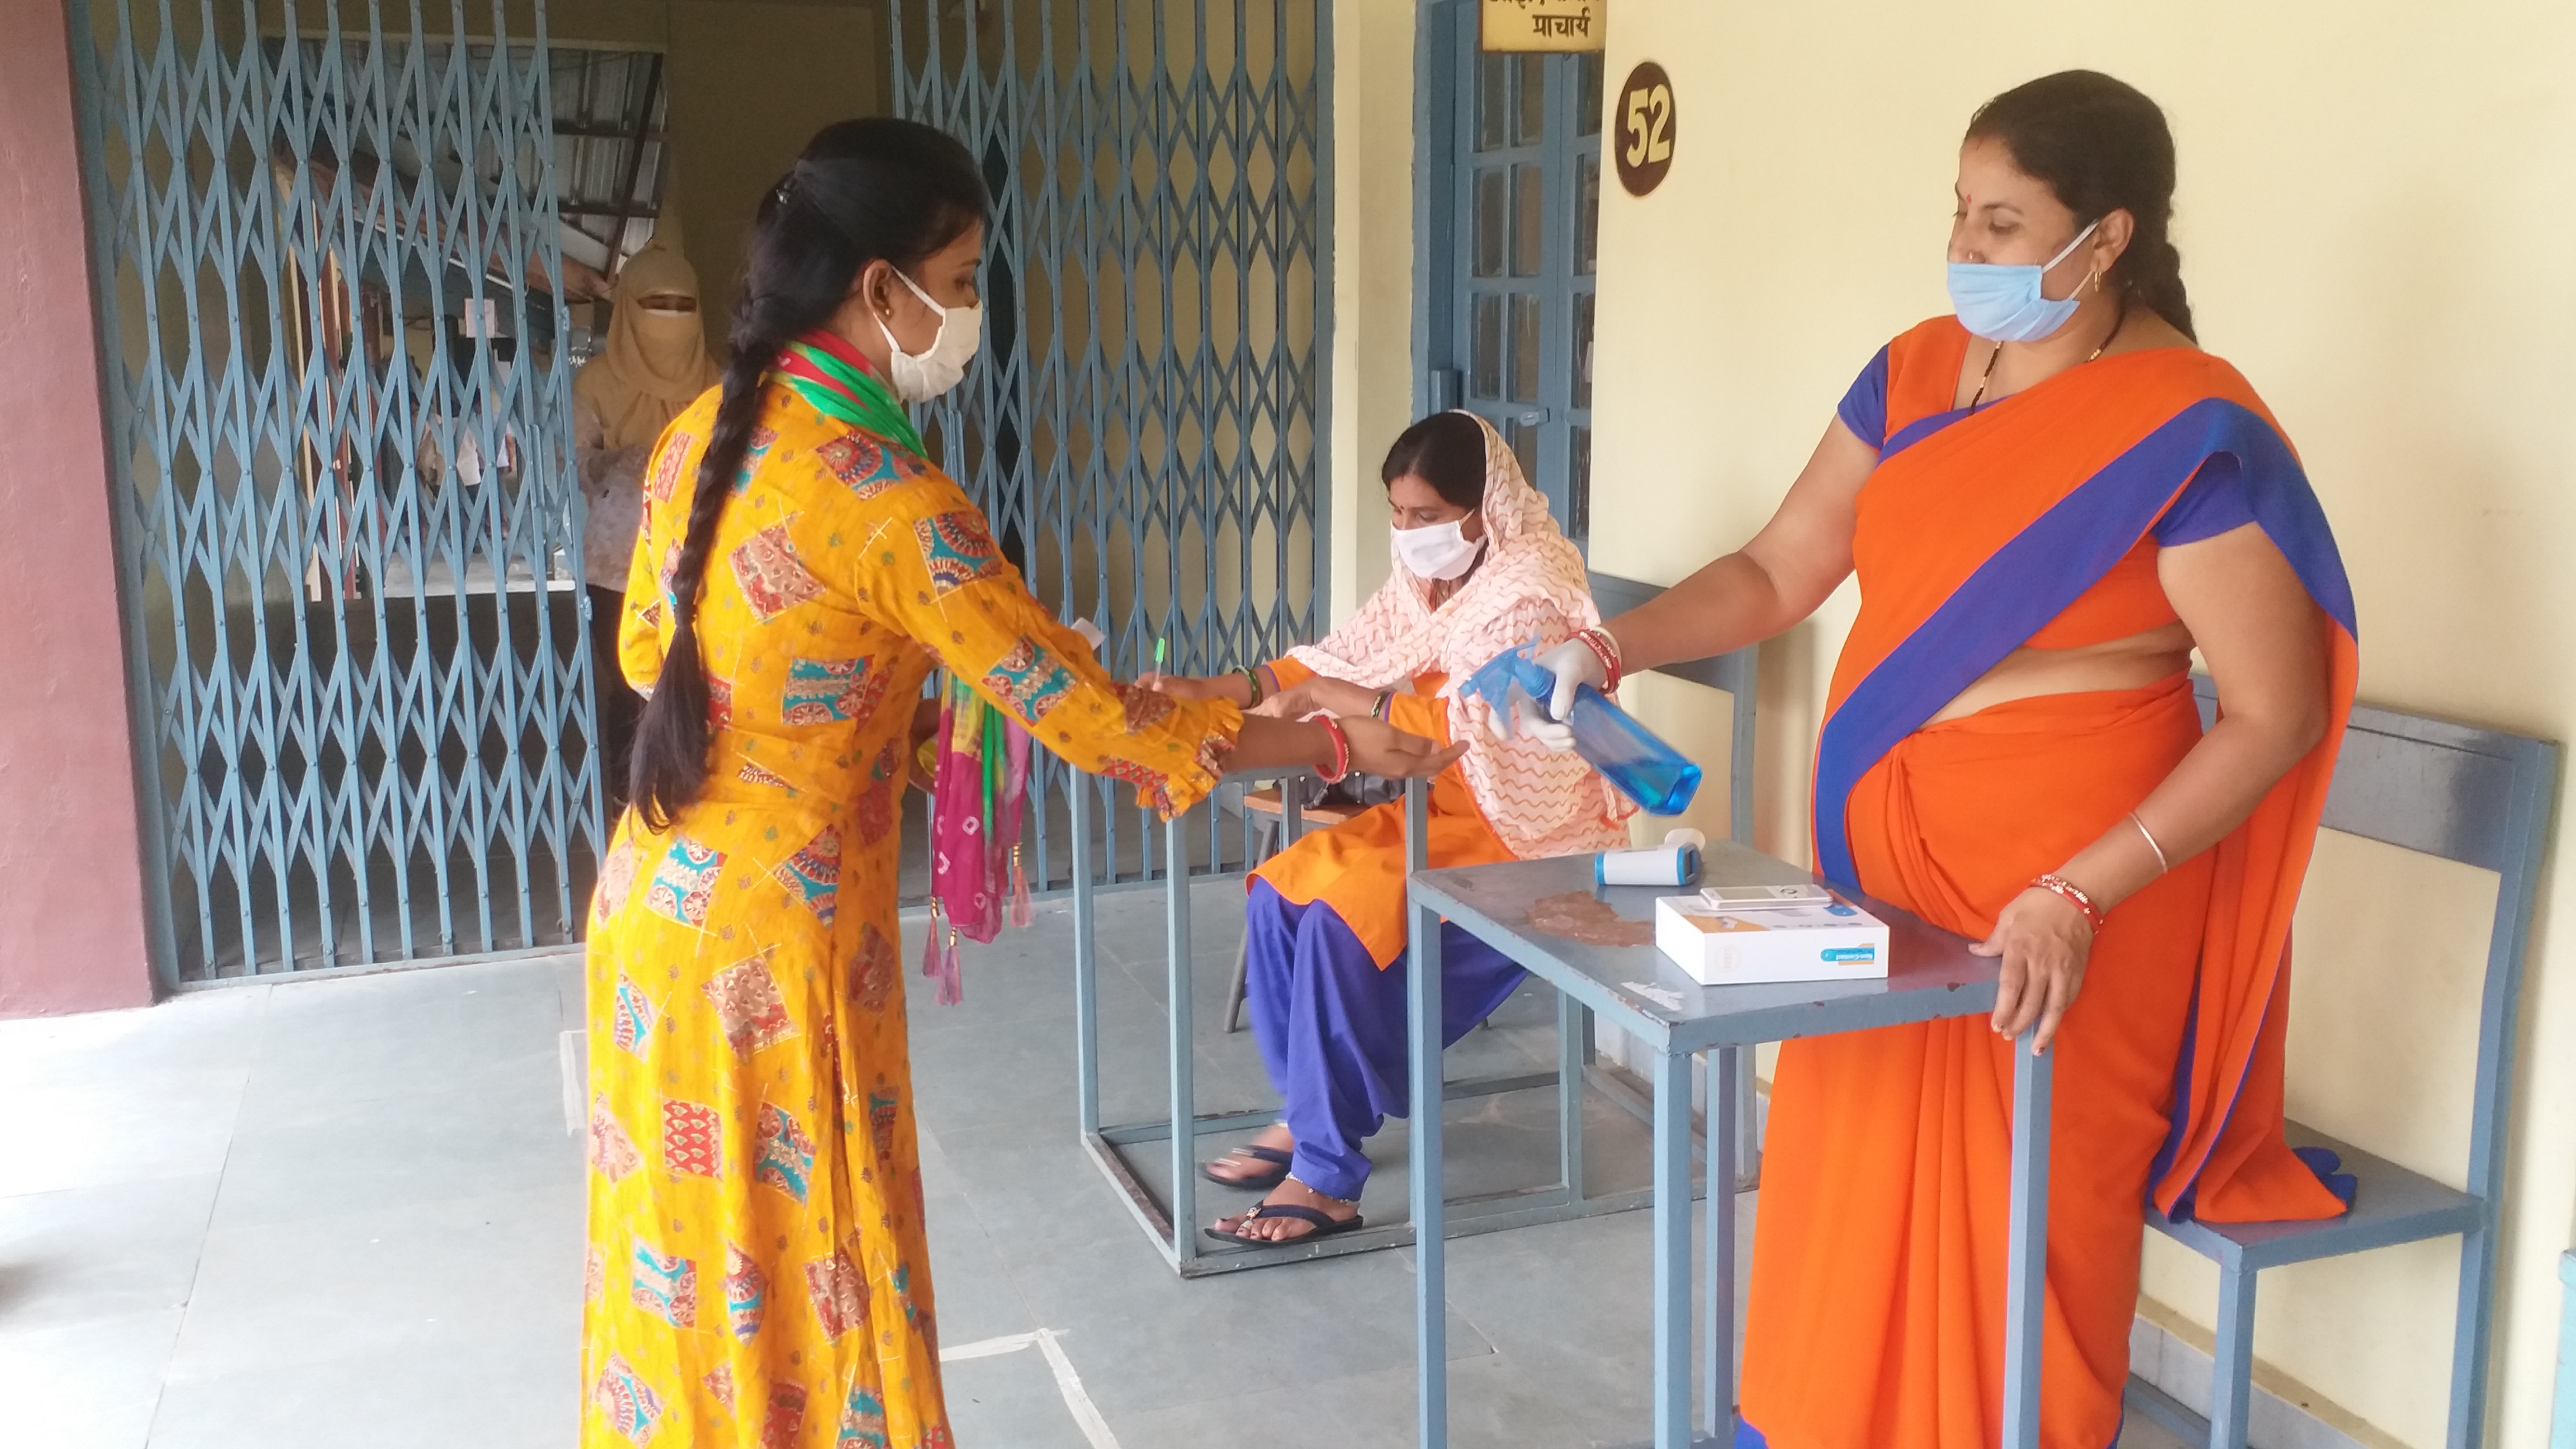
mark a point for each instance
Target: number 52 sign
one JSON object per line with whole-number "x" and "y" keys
{"x": 1642, "y": 127}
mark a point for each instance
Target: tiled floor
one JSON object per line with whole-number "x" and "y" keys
{"x": 348, "y": 1212}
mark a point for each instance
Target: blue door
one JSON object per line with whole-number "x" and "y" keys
{"x": 1147, "y": 425}
{"x": 1512, "y": 172}
{"x": 330, "y": 284}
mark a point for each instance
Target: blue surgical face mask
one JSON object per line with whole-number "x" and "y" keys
{"x": 2004, "y": 303}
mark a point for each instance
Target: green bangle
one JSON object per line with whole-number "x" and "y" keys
{"x": 1253, "y": 678}
{"x": 1385, "y": 705}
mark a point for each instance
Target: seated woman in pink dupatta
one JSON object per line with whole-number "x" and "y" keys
{"x": 1479, "y": 568}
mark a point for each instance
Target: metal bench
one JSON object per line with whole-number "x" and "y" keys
{"x": 1274, "y": 822}
{"x": 2481, "y": 797}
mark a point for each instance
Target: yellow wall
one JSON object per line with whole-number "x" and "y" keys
{"x": 750, "y": 84}
{"x": 1372, "y": 377}
{"x": 749, "y": 81}
{"x": 2373, "y": 208}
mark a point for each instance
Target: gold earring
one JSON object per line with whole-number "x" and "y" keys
{"x": 2097, "y": 284}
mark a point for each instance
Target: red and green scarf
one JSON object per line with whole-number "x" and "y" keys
{"x": 980, "y": 756}
{"x": 829, "y": 374}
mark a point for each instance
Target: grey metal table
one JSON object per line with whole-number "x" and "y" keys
{"x": 1933, "y": 976}
{"x": 1171, "y": 1221}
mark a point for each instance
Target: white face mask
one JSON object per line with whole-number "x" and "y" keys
{"x": 1437, "y": 550}
{"x": 918, "y": 378}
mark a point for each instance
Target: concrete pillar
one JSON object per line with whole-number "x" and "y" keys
{"x": 72, "y": 917}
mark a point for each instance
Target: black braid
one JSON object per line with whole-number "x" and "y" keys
{"x": 670, "y": 773}
{"x": 2153, "y": 272}
{"x": 2102, "y": 146}
{"x": 863, "y": 191}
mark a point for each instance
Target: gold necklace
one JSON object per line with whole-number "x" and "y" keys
{"x": 2119, "y": 319}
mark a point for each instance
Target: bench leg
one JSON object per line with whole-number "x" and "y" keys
{"x": 1264, "y": 833}
{"x": 2231, "y": 1369}
{"x": 2470, "y": 1345}
{"x": 1234, "y": 993}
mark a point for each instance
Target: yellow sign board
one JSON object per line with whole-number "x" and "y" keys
{"x": 1565, "y": 25}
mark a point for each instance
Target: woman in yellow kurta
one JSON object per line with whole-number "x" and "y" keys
{"x": 758, "y": 1275}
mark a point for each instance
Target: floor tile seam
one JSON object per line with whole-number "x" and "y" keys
{"x": 121, "y": 1184}
{"x": 1161, "y": 957}
{"x": 197, "y": 1269}
{"x": 16, "y": 1334}
{"x": 426, "y": 986}
{"x": 424, "y": 1213}
{"x": 1302, "y": 1386}
{"x": 455, "y": 1087}
{"x": 577, "y": 1011}
{"x": 993, "y": 1242}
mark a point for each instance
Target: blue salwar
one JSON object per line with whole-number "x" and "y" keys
{"x": 1331, "y": 1025}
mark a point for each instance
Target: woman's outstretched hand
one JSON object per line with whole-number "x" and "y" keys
{"x": 1318, "y": 695}
{"x": 1379, "y": 748}
{"x": 2044, "y": 941}
{"x": 1178, "y": 686}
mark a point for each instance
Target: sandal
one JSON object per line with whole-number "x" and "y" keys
{"x": 1261, "y": 1182}
{"x": 1325, "y": 1225}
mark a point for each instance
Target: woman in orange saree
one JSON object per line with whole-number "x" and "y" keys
{"x": 2050, "y": 500}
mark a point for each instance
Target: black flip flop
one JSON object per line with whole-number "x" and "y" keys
{"x": 1262, "y": 1183}
{"x": 1325, "y": 1226}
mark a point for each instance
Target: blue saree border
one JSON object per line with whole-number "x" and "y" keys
{"x": 2046, "y": 567}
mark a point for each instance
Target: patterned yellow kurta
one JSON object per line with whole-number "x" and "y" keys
{"x": 758, "y": 1275}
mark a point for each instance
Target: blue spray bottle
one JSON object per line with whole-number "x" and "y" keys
{"x": 1609, "y": 739}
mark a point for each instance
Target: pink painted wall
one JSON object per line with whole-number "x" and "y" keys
{"x": 72, "y": 934}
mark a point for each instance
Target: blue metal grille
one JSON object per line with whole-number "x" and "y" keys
{"x": 1148, "y": 424}
{"x": 329, "y": 279}
{"x": 1523, "y": 174}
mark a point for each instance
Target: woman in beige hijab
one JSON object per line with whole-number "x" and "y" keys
{"x": 654, "y": 364}
{"x": 656, "y": 360}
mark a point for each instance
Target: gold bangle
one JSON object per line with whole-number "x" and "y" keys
{"x": 2162, "y": 865}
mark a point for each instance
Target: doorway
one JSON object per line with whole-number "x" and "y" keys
{"x": 1511, "y": 206}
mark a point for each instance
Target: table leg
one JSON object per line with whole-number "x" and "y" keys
{"x": 2026, "y": 1253}
{"x": 1569, "y": 1095}
{"x": 1430, "y": 1250}
{"x": 1672, "y": 1153}
{"x": 1086, "y": 967}
{"x": 1185, "y": 1182}
{"x": 1748, "y": 1125}
{"x": 1718, "y": 1312}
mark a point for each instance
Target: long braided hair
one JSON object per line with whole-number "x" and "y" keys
{"x": 2102, "y": 146}
{"x": 862, "y": 191}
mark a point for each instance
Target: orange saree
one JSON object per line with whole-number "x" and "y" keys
{"x": 1878, "y": 1263}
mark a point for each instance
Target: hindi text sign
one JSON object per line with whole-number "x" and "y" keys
{"x": 1542, "y": 25}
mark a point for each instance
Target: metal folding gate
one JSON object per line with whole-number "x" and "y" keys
{"x": 1148, "y": 425}
{"x": 330, "y": 283}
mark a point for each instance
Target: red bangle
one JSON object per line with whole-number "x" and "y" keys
{"x": 1605, "y": 649}
{"x": 1341, "y": 748}
{"x": 2074, "y": 895}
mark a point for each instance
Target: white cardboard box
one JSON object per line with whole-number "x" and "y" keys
{"x": 1837, "y": 942}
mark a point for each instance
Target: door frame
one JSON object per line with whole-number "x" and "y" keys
{"x": 1441, "y": 366}
{"x": 1436, "y": 363}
